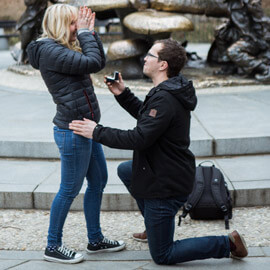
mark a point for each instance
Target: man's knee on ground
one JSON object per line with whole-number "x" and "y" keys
{"x": 161, "y": 259}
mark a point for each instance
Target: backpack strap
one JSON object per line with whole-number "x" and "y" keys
{"x": 195, "y": 195}
{"x": 216, "y": 192}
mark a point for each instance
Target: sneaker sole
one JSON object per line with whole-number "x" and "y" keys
{"x": 51, "y": 259}
{"x": 106, "y": 250}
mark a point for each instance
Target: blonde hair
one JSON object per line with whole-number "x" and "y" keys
{"x": 56, "y": 24}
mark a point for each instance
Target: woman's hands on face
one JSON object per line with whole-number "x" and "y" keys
{"x": 86, "y": 18}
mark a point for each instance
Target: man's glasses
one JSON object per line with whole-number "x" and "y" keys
{"x": 151, "y": 55}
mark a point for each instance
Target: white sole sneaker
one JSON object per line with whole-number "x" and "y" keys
{"x": 52, "y": 259}
{"x": 121, "y": 247}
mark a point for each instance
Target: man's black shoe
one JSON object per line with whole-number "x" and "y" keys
{"x": 63, "y": 255}
{"x": 105, "y": 245}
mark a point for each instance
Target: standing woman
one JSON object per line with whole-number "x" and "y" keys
{"x": 68, "y": 51}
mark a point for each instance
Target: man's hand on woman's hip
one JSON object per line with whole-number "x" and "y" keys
{"x": 84, "y": 128}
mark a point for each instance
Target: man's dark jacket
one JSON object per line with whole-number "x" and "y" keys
{"x": 66, "y": 74}
{"x": 163, "y": 166}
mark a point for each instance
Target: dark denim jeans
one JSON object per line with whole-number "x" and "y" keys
{"x": 159, "y": 218}
{"x": 80, "y": 157}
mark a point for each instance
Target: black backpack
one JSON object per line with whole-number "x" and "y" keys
{"x": 210, "y": 197}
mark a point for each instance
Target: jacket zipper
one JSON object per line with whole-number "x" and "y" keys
{"x": 89, "y": 104}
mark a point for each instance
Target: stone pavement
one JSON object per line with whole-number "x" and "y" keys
{"x": 259, "y": 258}
{"x": 230, "y": 126}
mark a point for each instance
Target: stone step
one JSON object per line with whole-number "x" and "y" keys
{"x": 224, "y": 123}
{"x": 32, "y": 184}
{"x": 201, "y": 148}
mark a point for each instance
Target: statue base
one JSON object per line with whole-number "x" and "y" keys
{"x": 23, "y": 69}
{"x": 201, "y": 75}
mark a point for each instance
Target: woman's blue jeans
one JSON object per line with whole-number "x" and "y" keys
{"x": 159, "y": 219}
{"x": 80, "y": 158}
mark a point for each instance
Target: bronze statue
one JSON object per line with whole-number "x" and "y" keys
{"x": 29, "y": 24}
{"x": 242, "y": 43}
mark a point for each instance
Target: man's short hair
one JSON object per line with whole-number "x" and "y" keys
{"x": 174, "y": 54}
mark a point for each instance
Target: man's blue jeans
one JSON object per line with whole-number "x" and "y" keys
{"x": 80, "y": 157}
{"x": 159, "y": 218}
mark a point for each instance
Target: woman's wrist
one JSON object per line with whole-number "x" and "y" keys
{"x": 83, "y": 30}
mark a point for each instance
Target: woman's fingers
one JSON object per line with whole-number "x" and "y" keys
{"x": 85, "y": 10}
{"x": 80, "y": 15}
{"x": 87, "y": 17}
{"x": 92, "y": 21}
{"x": 89, "y": 13}
{"x": 80, "y": 12}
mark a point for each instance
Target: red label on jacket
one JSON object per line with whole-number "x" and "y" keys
{"x": 153, "y": 112}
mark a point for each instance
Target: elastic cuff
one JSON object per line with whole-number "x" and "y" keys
{"x": 123, "y": 94}
{"x": 85, "y": 30}
{"x": 95, "y": 131}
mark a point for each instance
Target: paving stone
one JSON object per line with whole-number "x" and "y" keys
{"x": 266, "y": 251}
{"x": 231, "y": 131}
{"x": 11, "y": 198}
{"x": 242, "y": 146}
{"x": 34, "y": 183}
{"x": 43, "y": 265}
{"x": 8, "y": 264}
{"x": 249, "y": 177}
{"x": 221, "y": 264}
{"x": 255, "y": 252}
{"x": 20, "y": 255}
{"x": 28, "y": 149}
{"x": 235, "y": 125}
{"x": 252, "y": 193}
{"x": 136, "y": 255}
{"x": 246, "y": 168}
{"x": 20, "y": 172}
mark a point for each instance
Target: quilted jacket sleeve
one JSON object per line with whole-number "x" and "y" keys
{"x": 63, "y": 60}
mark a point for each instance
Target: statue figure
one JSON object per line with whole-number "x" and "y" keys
{"x": 30, "y": 23}
{"x": 242, "y": 44}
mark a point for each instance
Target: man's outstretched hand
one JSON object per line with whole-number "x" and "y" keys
{"x": 84, "y": 128}
{"x": 116, "y": 87}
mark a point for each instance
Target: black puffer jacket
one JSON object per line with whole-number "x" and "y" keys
{"x": 163, "y": 166}
{"x": 66, "y": 74}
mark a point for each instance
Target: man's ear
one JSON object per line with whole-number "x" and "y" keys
{"x": 164, "y": 65}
